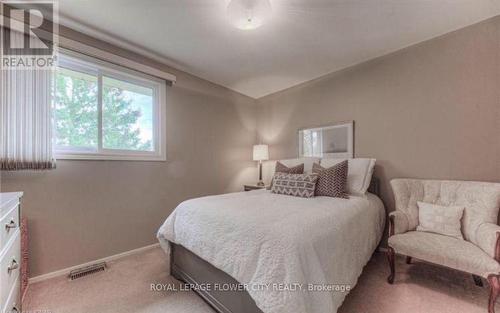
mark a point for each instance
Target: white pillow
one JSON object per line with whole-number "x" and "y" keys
{"x": 440, "y": 219}
{"x": 359, "y": 174}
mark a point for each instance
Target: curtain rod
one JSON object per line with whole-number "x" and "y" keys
{"x": 77, "y": 46}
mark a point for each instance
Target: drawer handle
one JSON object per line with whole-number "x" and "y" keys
{"x": 13, "y": 266}
{"x": 12, "y": 224}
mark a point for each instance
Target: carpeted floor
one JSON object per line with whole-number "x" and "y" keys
{"x": 126, "y": 287}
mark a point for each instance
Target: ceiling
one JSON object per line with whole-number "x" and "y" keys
{"x": 304, "y": 39}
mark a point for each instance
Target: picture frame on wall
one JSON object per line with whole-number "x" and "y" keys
{"x": 332, "y": 141}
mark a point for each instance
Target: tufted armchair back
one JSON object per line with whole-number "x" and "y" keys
{"x": 481, "y": 200}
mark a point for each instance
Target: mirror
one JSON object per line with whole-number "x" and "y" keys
{"x": 335, "y": 141}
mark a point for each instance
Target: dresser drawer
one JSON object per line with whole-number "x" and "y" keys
{"x": 13, "y": 303}
{"x": 9, "y": 224}
{"x": 10, "y": 262}
{"x": 8, "y": 200}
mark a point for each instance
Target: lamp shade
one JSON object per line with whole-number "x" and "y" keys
{"x": 260, "y": 153}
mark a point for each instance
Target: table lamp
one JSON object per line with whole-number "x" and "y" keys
{"x": 260, "y": 153}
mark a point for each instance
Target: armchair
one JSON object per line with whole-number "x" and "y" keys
{"x": 478, "y": 253}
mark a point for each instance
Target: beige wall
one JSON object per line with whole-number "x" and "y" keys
{"x": 431, "y": 110}
{"x": 428, "y": 111}
{"x": 85, "y": 210}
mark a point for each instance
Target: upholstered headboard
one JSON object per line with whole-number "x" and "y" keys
{"x": 374, "y": 186}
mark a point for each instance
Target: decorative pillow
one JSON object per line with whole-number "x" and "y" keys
{"x": 332, "y": 181}
{"x": 282, "y": 168}
{"x": 269, "y": 167}
{"x": 440, "y": 219}
{"x": 308, "y": 163}
{"x": 298, "y": 185}
{"x": 359, "y": 174}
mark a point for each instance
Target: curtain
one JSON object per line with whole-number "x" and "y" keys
{"x": 25, "y": 117}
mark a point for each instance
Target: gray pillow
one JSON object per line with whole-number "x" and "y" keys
{"x": 332, "y": 181}
{"x": 297, "y": 185}
{"x": 282, "y": 168}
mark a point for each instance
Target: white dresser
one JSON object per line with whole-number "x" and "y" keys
{"x": 10, "y": 252}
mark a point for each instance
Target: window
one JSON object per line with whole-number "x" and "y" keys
{"x": 312, "y": 143}
{"x": 102, "y": 111}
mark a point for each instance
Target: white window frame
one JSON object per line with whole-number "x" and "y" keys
{"x": 90, "y": 65}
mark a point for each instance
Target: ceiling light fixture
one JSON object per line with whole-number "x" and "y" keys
{"x": 248, "y": 14}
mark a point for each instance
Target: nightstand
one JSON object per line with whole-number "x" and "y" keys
{"x": 253, "y": 187}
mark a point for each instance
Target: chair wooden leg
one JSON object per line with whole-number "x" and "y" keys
{"x": 390, "y": 258}
{"x": 477, "y": 280}
{"x": 494, "y": 292}
{"x": 408, "y": 260}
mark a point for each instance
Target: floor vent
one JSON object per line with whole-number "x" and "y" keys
{"x": 87, "y": 270}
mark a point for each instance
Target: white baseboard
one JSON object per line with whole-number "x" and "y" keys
{"x": 66, "y": 271}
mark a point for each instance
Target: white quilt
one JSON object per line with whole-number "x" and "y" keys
{"x": 261, "y": 239}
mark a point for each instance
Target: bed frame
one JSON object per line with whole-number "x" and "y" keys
{"x": 191, "y": 269}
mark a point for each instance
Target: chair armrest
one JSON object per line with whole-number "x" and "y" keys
{"x": 488, "y": 239}
{"x": 398, "y": 223}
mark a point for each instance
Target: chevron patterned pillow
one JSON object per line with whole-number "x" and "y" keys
{"x": 282, "y": 168}
{"x": 298, "y": 185}
{"x": 332, "y": 181}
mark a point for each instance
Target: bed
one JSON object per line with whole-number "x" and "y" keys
{"x": 259, "y": 252}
